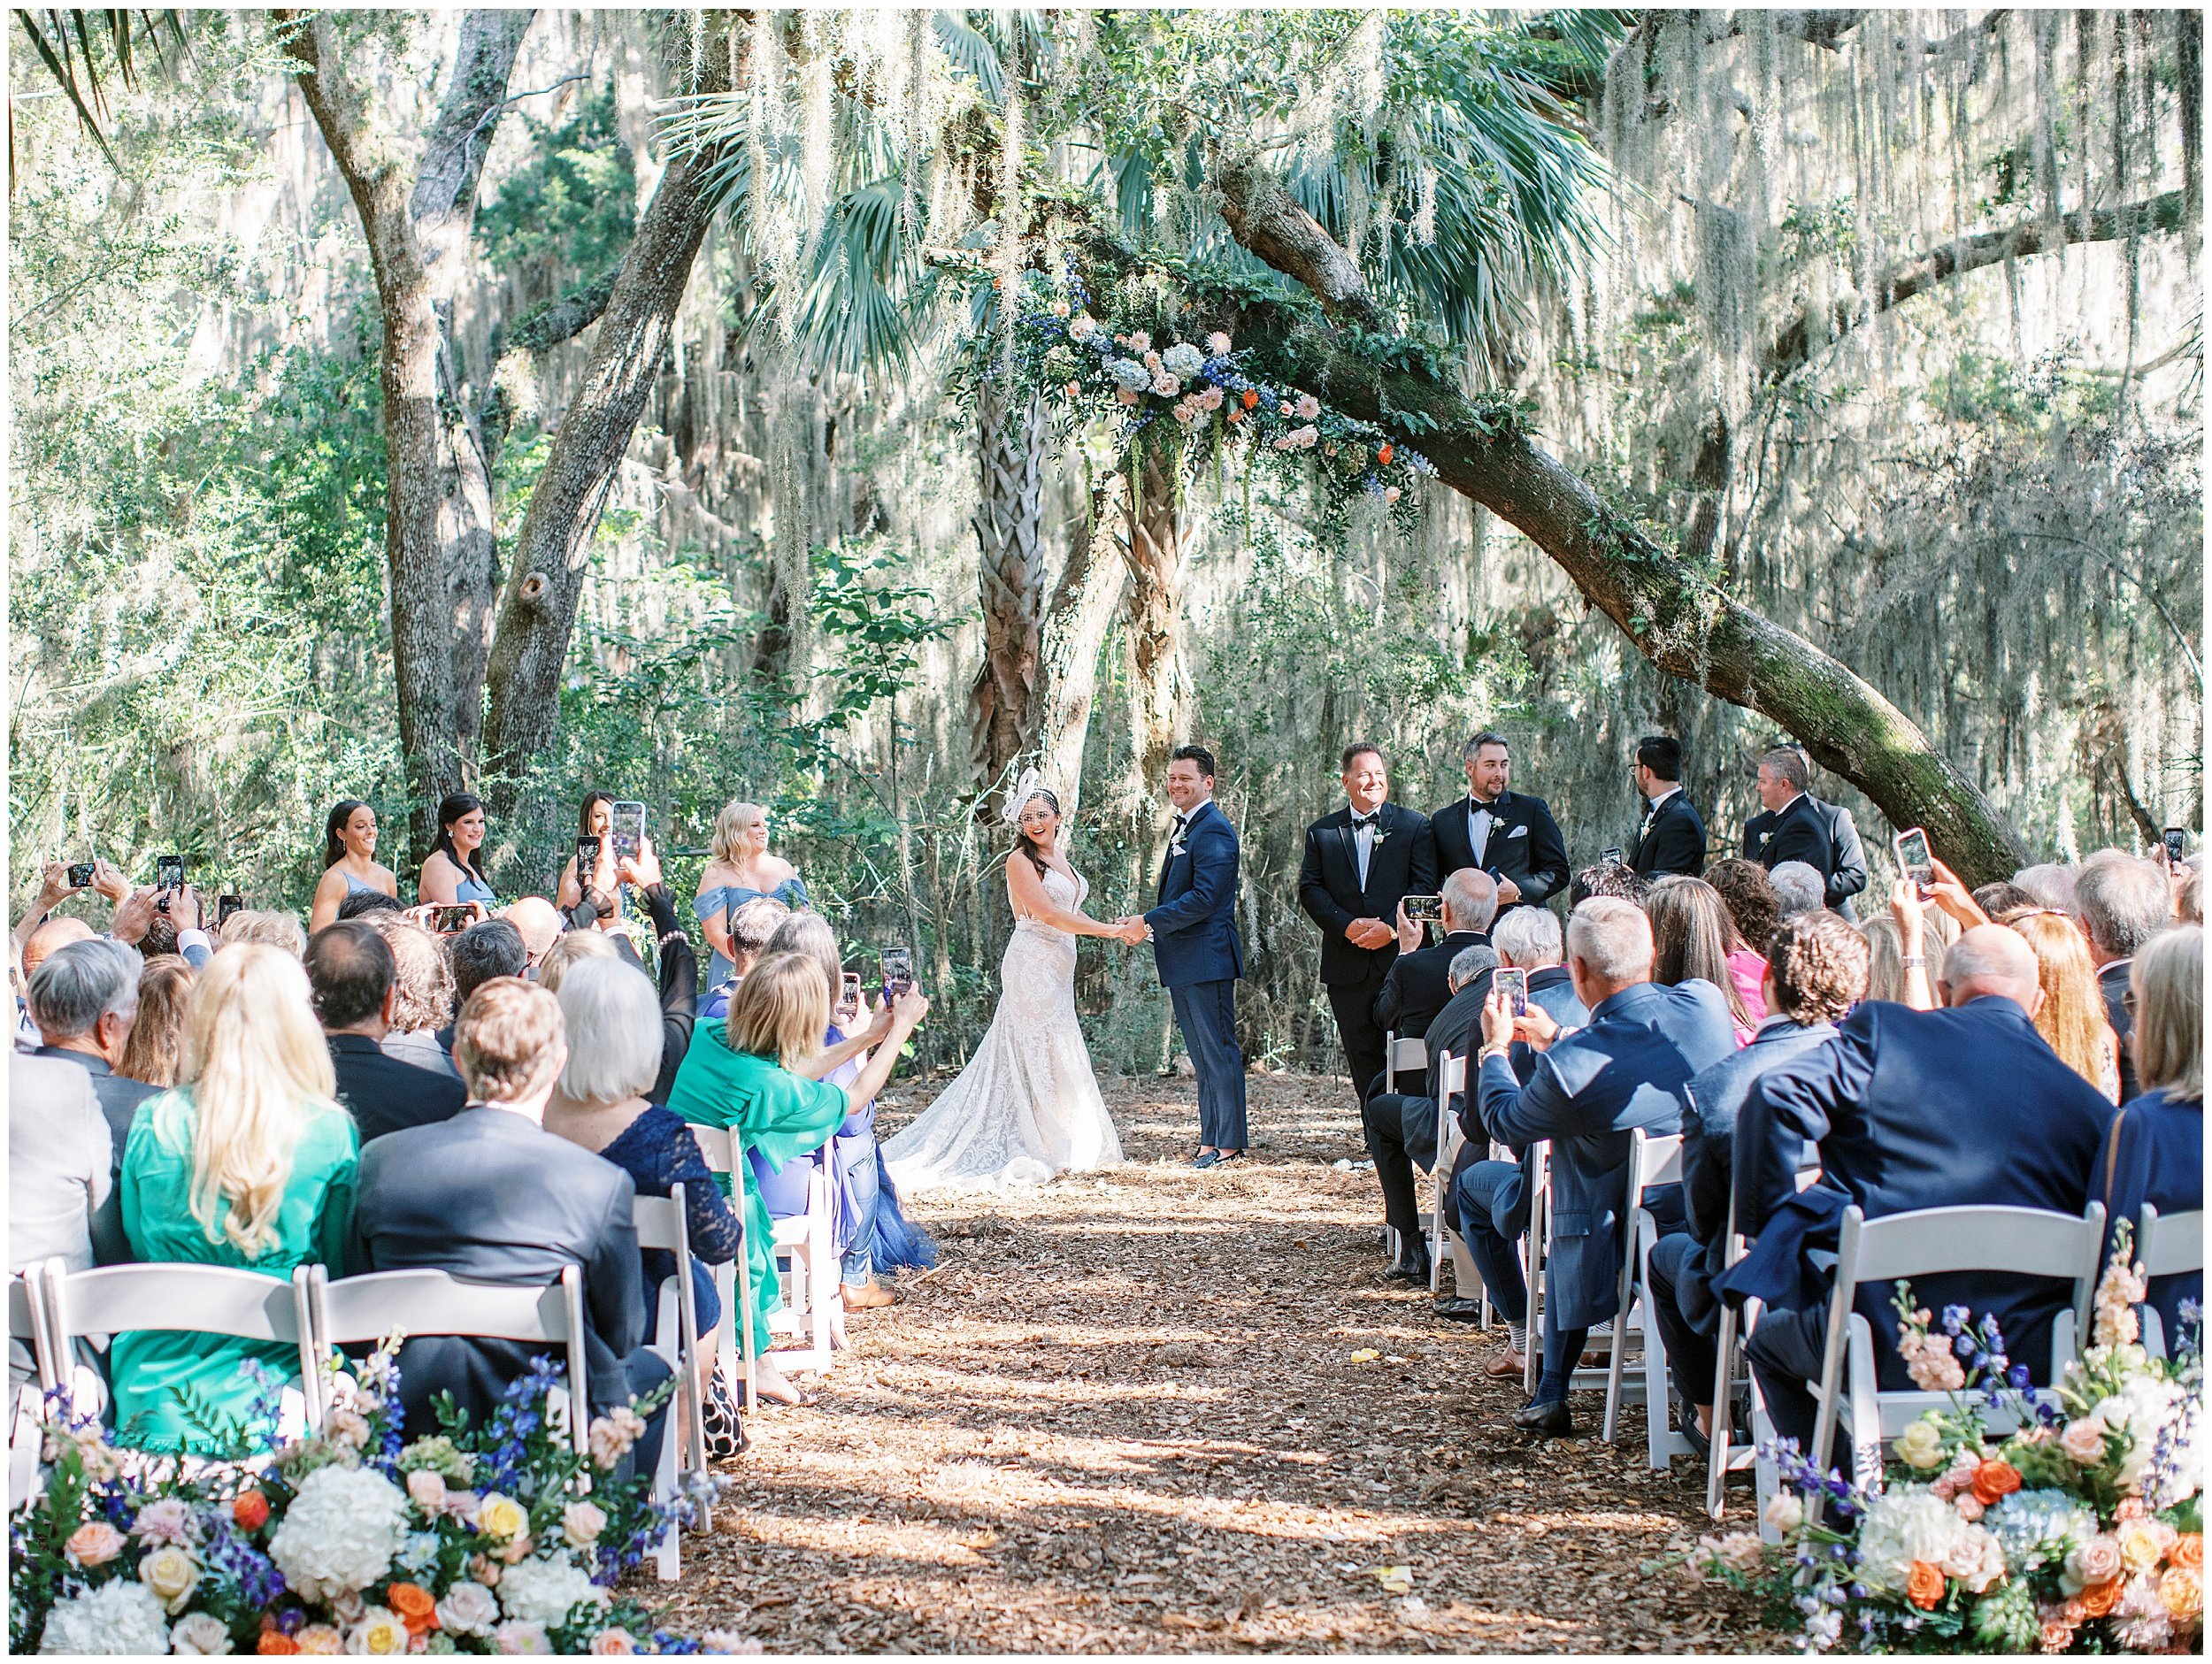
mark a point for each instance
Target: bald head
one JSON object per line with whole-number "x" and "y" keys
{"x": 538, "y": 921}
{"x": 55, "y": 933}
{"x": 1990, "y": 959}
{"x": 1470, "y": 899}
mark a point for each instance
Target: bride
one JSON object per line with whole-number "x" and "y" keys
{"x": 1028, "y": 1105}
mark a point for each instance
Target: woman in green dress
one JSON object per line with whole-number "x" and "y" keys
{"x": 249, "y": 1161}
{"x": 754, "y": 1072}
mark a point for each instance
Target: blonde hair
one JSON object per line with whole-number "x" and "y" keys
{"x": 269, "y": 928}
{"x": 562, "y": 956}
{"x": 258, "y": 1068}
{"x": 156, "y": 1047}
{"x": 1885, "y": 958}
{"x": 2168, "y": 977}
{"x": 729, "y": 826}
{"x": 2072, "y": 1015}
{"x": 509, "y": 1037}
{"x": 781, "y": 1010}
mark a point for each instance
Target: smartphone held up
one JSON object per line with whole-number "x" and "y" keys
{"x": 1914, "y": 862}
{"x": 1512, "y": 982}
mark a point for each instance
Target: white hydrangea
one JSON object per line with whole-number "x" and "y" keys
{"x": 1905, "y": 1524}
{"x": 2146, "y": 1404}
{"x": 121, "y": 1616}
{"x": 543, "y": 1590}
{"x": 341, "y": 1532}
{"x": 1129, "y": 373}
{"x": 1182, "y": 359}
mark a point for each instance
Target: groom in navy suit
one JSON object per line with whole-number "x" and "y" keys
{"x": 1194, "y": 935}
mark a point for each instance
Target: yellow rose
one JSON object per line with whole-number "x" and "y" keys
{"x": 380, "y": 1631}
{"x": 1921, "y": 1446}
{"x": 499, "y": 1516}
{"x": 172, "y": 1573}
{"x": 2140, "y": 1546}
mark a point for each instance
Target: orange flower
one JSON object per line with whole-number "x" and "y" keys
{"x": 275, "y": 1642}
{"x": 1994, "y": 1479}
{"x": 250, "y": 1510}
{"x": 1235, "y": 413}
{"x": 2188, "y": 1549}
{"x": 1384, "y": 455}
{"x": 414, "y": 1606}
{"x": 2098, "y": 1600}
{"x": 1925, "y": 1587}
{"x": 1251, "y": 397}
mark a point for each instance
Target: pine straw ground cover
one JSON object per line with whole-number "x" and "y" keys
{"x": 1123, "y": 1414}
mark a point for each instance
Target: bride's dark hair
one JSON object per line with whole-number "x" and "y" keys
{"x": 1026, "y": 844}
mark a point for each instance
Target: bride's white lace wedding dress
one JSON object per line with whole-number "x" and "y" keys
{"x": 1028, "y": 1105}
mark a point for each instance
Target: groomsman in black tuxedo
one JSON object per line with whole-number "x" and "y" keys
{"x": 1508, "y": 835}
{"x": 1360, "y": 862}
{"x": 1794, "y": 825}
{"x": 1672, "y": 839}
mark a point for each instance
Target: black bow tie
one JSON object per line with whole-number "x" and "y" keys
{"x": 1181, "y": 821}
{"x": 1359, "y": 821}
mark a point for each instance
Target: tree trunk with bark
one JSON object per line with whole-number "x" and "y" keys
{"x": 1684, "y": 625}
{"x": 1081, "y": 612}
{"x": 1010, "y": 436}
{"x": 438, "y": 532}
{"x": 1152, "y": 613}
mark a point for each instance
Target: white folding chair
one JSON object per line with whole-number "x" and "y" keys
{"x": 1451, "y": 1078}
{"x": 361, "y": 1310}
{"x": 733, "y": 1279}
{"x": 26, "y": 1424}
{"x": 1407, "y": 1056}
{"x": 200, "y": 1299}
{"x": 1533, "y": 1245}
{"x": 1652, "y": 1161}
{"x": 2166, "y": 1245}
{"x": 1728, "y": 1350}
{"x": 662, "y": 1225}
{"x": 806, "y": 1264}
{"x": 2024, "y": 1241}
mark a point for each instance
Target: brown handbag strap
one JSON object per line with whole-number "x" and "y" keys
{"x": 2111, "y": 1155}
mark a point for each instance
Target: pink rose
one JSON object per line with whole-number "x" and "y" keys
{"x": 96, "y": 1545}
{"x": 611, "y": 1641}
{"x": 2095, "y": 1561}
{"x": 1970, "y": 1507}
{"x": 426, "y": 1489}
{"x": 2083, "y": 1441}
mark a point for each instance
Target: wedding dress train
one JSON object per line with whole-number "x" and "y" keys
{"x": 1028, "y": 1106}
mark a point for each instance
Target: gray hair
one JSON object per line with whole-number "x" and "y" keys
{"x": 1529, "y": 936}
{"x": 1470, "y": 896}
{"x": 1612, "y": 939}
{"x": 269, "y": 928}
{"x": 76, "y": 986}
{"x": 753, "y": 923}
{"x": 613, "y": 1017}
{"x": 809, "y": 934}
{"x": 2123, "y": 902}
{"x": 1990, "y": 959}
{"x": 1469, "y": 963}
{"x": 1799, "y": 886}
{"x": 2052, "y": 884}
{"x": 1787, "y": 763}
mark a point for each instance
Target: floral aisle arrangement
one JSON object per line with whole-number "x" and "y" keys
{"x": 497, "y": 1539}
{"x": 1210, "y": 395}
{"x": 2080, "y": 1532}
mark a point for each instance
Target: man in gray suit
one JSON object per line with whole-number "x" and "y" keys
{"x": 84, "y": 999}
{"x": 61, "y": 1199}
{"x": 489, "y": 1195}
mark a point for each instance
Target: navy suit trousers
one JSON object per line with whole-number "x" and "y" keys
{"x": 1207, "y": 1014}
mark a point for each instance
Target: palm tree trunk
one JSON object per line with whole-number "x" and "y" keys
{"x": 1009, "y": 451}
{"x": 1084, "y": 602}
{"x": 1152, "y": 613}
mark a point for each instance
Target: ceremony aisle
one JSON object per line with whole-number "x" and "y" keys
{"x": 1124, "y": 1415}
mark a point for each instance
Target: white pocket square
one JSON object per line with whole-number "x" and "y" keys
{"x": 1518, "y": 831}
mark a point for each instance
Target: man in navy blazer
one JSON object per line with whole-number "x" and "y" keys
{"x": 1194, "y": 934}
{"x": 1592, "y": 1088}
{"x": 1508, "y": 835}
{"x": 1964, "y": 1107}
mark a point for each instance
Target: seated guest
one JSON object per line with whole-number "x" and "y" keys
{"x": 1816, "y": 973}
{"x": 155, "y": 1051}
{"x": 2049, "y": 884}
{"x": 572, "y": 949}
{"x": 356, "y": 985}
{"x": 755, "y": 1073}
{"x": 1754, "y": 910}
{"x": 85, "y": 1000}
{"x": 1962, "y": 1107}
{"x": 1902, "y": 963}
{"x": 614, "y": 1038}
{"x": 1414, "y": 987}
{"x": 751, "y": 925}
{"x": 1402, "y": 1125}
{"x": 2189, "y": 894}
{"x": 1585, "y": 1094}
{"x": 350, "y": 866}
{"x": 1690, "y": 936}
{"x": 2121, "y": 904}
{"x": 2158, "y": 1156}
{"x": 1489, "y": 1200}
{"x": 1614, "y": 879}
{"x": 679, "y": 964}
{"x": 489, "y": 1195}
{"x": 1797, "y": 887}
{"x": 2000, "y": 898}
{"x": 2071, "y": 1016}
{"x": 422, "y": 993}
{"x": 50, "y": 937}
{"x": 540, "y": 925}
{"x": 479, "y": 955}
{"x": 249, "y": 1163}
{"x": 368, "y": 904}
{"x": 61, "y": 1177}
{"x": 270, "y": 928}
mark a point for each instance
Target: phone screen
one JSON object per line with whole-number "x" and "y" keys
{"x": 898, "y": 969}
{"x": 224, "y": 906}
{"x": 1913, "y": 859}
{"x": 169, "y": 872}
{"x": 452, "y": 919}
{"x": 80, "y": 873}
{"x": 848, "y": 992}
{"x": 586, "y": 857}
{"x": 1609, "y": 858}
{"x": 1425, "y": 909}
{"x": 628, "y": 829}
{"x": 2176, "y": 846}
{"x": 1512, "y": 982}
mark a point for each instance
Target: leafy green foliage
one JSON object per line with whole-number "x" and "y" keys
{"x": 572, "y": 207}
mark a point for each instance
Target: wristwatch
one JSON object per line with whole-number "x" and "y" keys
{"x": 1914, "y": 962}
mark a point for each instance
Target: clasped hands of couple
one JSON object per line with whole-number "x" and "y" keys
{"x": 1129, "y": 928}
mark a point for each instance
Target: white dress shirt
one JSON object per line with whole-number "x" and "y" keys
{"x": 1364, "y": 842}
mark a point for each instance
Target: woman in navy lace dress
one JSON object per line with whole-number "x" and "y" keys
{"x": 614, "y": 1052}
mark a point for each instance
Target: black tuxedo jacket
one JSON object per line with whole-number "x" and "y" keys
{"x": 1672, "y": 839}
{"x": 1524, "y": 846}
{"x": 1403, "y": 863}
{"x": 1419, "y": 984}
{"x": 1800, "y": 833}
{"x": 385, "y": 1094}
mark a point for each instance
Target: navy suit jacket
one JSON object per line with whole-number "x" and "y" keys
{"x": 1671, "y": 839}
{"x": 489, "y": 1196}
{"x": 2112, "y": 983}
{"x": 1418, "y": 986}
{"x": 1966, "y": 1106}
{"x": 1194, "y": 927}
{"x": 2157, "y": 1158}
{"x": 1585, "y": 1094}
{"x": 385, "y": 1094}
{"x": 1525, "y": 843}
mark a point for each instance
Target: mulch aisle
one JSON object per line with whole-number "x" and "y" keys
{"x": 1123, "y": 1416}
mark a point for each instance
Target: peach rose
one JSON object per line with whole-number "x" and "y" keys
{"x": 2083, "y": 1441}
{"x": 416, "y": 1609}
{"x": 1925, "y": 1586}
{"x": 250, "y": 1510}
{"x": 2098, "y": 1600}
{"x": 2188, "y": 1549}
{"x": 1970, "y": 1507}
{"x": 2056, "y": 1637}
{"x": 96, "y": 1544}
{"x": 2182, "y": 1591}
{"x": 321, "y": 1637}
{"x": 276, "y": 1644}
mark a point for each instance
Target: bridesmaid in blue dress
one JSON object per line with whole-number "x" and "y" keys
{"x": 740, "y": 870}
{"x": 594, "y": 819}
{"x": 450, "y": 875}
{"x": 348, "y": 862}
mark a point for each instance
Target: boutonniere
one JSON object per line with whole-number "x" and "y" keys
{"x": 1177, "y": 846}
{"x": 1382, "y": 833}
{"x": 1763, "y": 839}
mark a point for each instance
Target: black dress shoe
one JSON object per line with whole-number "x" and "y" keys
{"x": 1413, "y": 1267}
{"x": 1545, "y": 1420}
{"x": 1459, "y": 1309}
